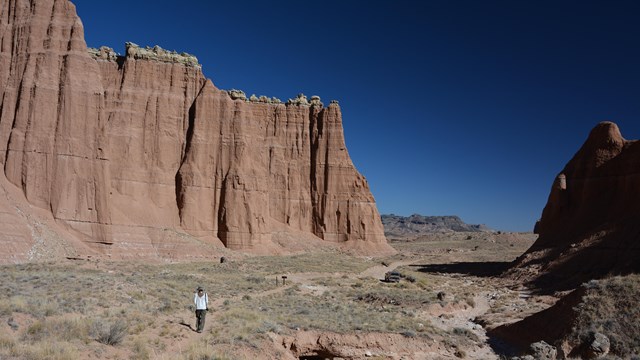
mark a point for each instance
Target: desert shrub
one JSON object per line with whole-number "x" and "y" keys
{"x": 66, "y": 329}
{"x": 140, "y": 350}
{"x": 255, "y": 279}
{"x": 49, "y": 350}
{"x": 408, "y": 333}
{"x": 610, "y": 307}
{"x": 470, "y": 300}
{"x": 5, "y": 307}
{"x": 6, "y": 342}
{"x": 268, "y": 326}
{"x": 466, "y": 333}
{"x": 43, "y": 307}
{"x": 61, "y": 329}
{"x": 18, "y": 304}
{"x": 202, "y": 350}
{"x": 312, "y": 262}
{"x": 109, "y": 333}
{"x": 35, "y": 331}
{"x": 202, "y": 353}
{"x": 168, "y": 305}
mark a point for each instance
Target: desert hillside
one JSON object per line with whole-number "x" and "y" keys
{"x": 331, "y": 304}
{"x": 590, "y": 227}
{"x": 586, "y": 255}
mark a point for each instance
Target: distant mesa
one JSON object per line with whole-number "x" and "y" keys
{"x": 590, "y": 226}
{"x": 414, "y": 225}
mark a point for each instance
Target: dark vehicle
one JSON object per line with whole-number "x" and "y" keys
{"x": 392, "y": 276}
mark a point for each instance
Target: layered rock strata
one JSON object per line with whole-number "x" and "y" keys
{"x": 122, "y": 150}
{"x": 590, "y": 226}
{"x": 416, "y": 225}
{"x": 52, "y": 130}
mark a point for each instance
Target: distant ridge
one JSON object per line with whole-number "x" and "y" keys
{"x": 416, "y": 224}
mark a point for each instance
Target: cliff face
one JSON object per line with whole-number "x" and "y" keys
{"x": 248, "y": 164}
{"x": 52, "y": 128}
{"x": 590, "y": 226}
{"x": 132, "y": 153}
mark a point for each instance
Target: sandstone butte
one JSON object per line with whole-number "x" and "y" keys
{"x": 590, "y": 226}
{"x": 142, "y": 156}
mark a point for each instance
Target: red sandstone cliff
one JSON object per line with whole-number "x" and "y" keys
{"x": 590, "y": 226}
{"x": 129, "y": 154}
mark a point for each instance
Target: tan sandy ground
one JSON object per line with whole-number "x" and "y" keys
{"x": 333, "y": 305}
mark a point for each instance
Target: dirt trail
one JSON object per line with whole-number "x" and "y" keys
{"x": 305, "y": 279}
{"x": 463, "y": 319}
{"x": 447, "y": 319}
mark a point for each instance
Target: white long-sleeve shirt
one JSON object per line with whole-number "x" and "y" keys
{"x": 202, "y": 302}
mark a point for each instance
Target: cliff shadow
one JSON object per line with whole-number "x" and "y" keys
{"x": 120, "y": 60}
{"x": 479, "y": 269}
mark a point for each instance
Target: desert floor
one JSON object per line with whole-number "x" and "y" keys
{"x": 332, "y": 305}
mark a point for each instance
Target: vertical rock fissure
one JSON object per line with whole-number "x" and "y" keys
{"x": 325, "y": 180}
{"x": 145, "y": 118}
{"x": 19, "y": 93}
{"x": 223, "y": 229}
{"x": 156, "y": 131}
{"x": 190, "y": 126}
{"x": 56, "y": 131}
{"x": 313, "y": 190}
{"x": 25, "y": 168}
{"x": 1, "y": 118}
{"x": 186, "y": 147}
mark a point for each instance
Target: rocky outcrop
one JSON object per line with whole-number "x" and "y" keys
{"x": 271, "y": 163}
{"x": 596, "y": 319}
{"x": 328, "y": 345}
{"x": 590, "y": 226}
{"x": 415, "y": 225}
{"x": 53, "y": 140}
{"x": 157, "y": 53}
{"x": 122, "y": 150}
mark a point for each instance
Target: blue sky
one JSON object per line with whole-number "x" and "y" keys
{"x": 450, "y": 107}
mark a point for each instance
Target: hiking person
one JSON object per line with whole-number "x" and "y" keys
{"x": 201, "y": 299}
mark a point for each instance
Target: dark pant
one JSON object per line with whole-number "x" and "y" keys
{"x": 200, "y": 315}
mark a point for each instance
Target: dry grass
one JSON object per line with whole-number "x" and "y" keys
{"x": 71, "y": 307}
{"x": 610, "y": 307}
{"x": 109, "y": 333}
{"x": 144, "y": 311}
{"x": 472, "y": 247}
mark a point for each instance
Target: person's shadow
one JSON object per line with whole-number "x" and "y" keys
{"x": 187, "y": 325}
